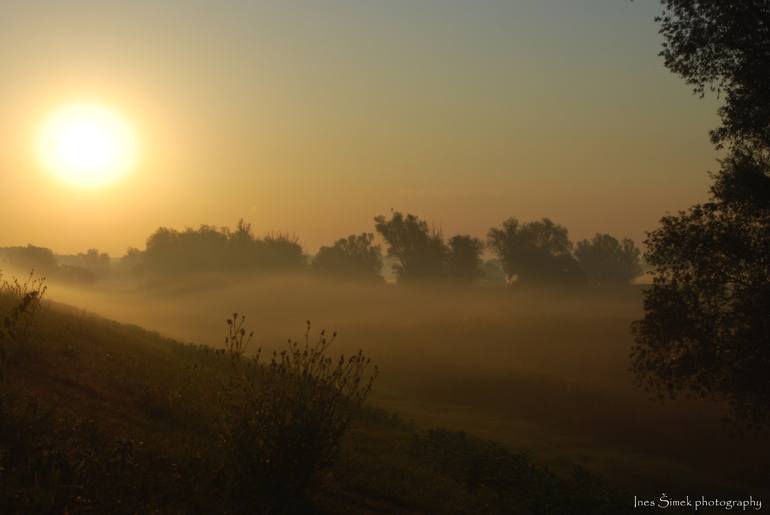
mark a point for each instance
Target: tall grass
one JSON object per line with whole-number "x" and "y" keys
{"x": 19, "y": 303}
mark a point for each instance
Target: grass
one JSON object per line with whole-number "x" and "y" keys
{"x": 104, "y": 417}
{"x": 549, "y": 386}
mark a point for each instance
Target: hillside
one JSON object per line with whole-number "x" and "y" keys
{"x": 104, "y": 416}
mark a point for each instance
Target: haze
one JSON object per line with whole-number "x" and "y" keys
{"x": 385, "y": 257}
{"x": 311, "y": 119}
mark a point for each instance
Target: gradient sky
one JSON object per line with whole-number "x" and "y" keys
{"x": 312, "y": 117}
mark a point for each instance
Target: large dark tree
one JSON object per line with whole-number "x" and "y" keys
{"x": 706, "y": 328}
{"x": 353, "y": 257}
{"x": 535, "y": 253}
{"x": 607, "y": 261}
{"x": 420, "y": 252}
{"x": 724, "y": 46}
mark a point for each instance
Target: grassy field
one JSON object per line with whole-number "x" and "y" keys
{"x": 542, "y": 373}
{"x": 541, "y": 370}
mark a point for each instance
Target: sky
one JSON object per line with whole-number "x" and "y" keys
{"x": 312, "y": 117}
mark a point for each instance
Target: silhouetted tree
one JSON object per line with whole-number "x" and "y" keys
{"x": 210, "y": 248}
{"x": 352, "y": 257}
{"x": 606, "y": 261}
{"x": 420, "y": 252}
{"x": 724, "y": 45}
{"x": 279, "y": 251}
{"x": 132, "y": 262}
{"x": 536, "y": 252}
{"x": 41, "y": 259}
{"x": 705, "y": 329}
{"x": 95, "y": 262}
{"x": 464, "y": 258}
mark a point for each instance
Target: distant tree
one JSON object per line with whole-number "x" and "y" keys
{"x": 210, "y": 248}
{"x": 352, "y": 257}
{"x": 162, "y": 252}
{"x": 705, "y": 329}
{"x": 420, "y": 253}
{"x": 241, "y": 245}
{"x": 535, "y": 253}
{"x": 464, "y": 258}
{"x": 606, "y": 261}
{"x": 41, "y": 259}
{"x": 132, "y": 262}
{"x": 279, "y": 251}
{"x": 95, "y": 262}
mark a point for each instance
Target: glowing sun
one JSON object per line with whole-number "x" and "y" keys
{"x": 87, "y": 145}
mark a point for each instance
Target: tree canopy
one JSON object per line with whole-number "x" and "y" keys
{"x": 464, "y": 261}
{"x": 535, "y": 253}
{"x": 213, "y": 249}
{"x": 607, "y": 261}
{"x": 724, "y": 46}
{"x": 705, "y": 329}
{"x": 352, "y": 257}
{"x": 419, "y": 251}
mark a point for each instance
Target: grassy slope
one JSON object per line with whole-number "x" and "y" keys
{"x": 543, "y": 370}
{"x": 125, "y": 384}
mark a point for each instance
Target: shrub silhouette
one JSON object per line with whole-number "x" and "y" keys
{"x": 283, "y": 420}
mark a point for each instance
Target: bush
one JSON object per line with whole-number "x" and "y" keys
{"x": 283, "y": 421}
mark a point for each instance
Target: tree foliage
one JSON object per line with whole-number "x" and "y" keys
{"x": 705, "y": 329}
{"x": 464, "y": 261}
{"x": 210, "y": 248}
{"x": 535, "y": 253}
{"x": 421, "y": 253}
{"x": 352, "y": 257}
{"x": 607, "y": 261}
{"x": 724, "y": 45}
{"x": 31, "y": 257}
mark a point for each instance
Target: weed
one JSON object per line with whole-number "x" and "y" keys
{"x": 284, "y": 419}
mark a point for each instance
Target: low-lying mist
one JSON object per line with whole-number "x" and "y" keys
{"x": 540, "y": 368}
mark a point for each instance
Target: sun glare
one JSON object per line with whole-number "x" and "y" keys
{"x": 87, "y": 145}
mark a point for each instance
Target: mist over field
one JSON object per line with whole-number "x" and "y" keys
{"x": 537, "y": 368}
{"x": 384, "y": 258}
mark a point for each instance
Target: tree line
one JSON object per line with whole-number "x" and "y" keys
{"x": 537, "y": 252}
{"x": 534, "y": 253}
{"x": 85, "y": 267}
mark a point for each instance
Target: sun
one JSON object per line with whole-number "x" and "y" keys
{"x": 87, "y": 145}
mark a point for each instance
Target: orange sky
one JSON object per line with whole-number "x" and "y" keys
{"x": 312, "y": 120}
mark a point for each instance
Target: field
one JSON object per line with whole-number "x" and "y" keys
{"x": 544, "y": 371}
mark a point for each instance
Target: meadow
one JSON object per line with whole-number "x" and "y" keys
{"x": 541, "y": 370}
